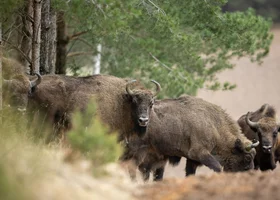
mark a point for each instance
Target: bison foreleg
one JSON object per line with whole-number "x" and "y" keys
{"x": 191, "y": 166}
{"x": 211, "y": 162}
{"x": 145, "y": 171}
{"x": 158, "y": 174}
{"x": 204, "y": 157}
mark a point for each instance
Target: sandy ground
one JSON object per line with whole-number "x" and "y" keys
{"x": 253, "y": 185}
{"x": 256, "y": 85}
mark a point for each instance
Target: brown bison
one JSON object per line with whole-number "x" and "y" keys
{"x": 277, "y": 149}
{"x": 262, "y": 125}
{"x": 56, "y": 96}
{"x": 138, "y": 153}
{"x": 201, "y": 132}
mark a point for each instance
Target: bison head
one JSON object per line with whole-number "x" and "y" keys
{"x": 17, "y": 90}
{"x": 241, "y": 157}
{"x": 266, "y": 130}
{"x": 142, "y": 102}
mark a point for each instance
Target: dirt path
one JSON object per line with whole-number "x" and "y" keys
{"x": 254, "y": 185}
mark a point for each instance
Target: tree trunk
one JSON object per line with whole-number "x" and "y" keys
{"x": 36, "y": 39}
{"x": 62, "y": 41}
{"x": 1, "y": 97}
{"x": 97, "y": 60}
{"x": 45, "y": 37}
{"x": 26, "y": 42}
{"x": 52, "y": 45}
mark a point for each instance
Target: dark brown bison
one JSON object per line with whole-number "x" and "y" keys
{"x": 201, "y": 132}
{"x": 262, "y": 125}
{"x": 139, "y": 154}
{"x": 56, "y": 96}
{"x": 277, "y": 149}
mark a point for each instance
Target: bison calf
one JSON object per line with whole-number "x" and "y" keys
{"x": 140, "y": 154}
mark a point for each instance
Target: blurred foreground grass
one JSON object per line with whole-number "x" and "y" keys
{"x": 26, "y": 160}
{"x": 90, "y": 137}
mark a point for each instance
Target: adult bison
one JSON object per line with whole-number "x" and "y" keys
{"x": 56, "y": 96}
{"x": 262, "y": 125}
{"x": 201, "y": 132}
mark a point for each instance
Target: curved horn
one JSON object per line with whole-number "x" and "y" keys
{"x": 37, "y": 81}
{"x": 158, "y": 87}
{"x": 128, "y": 90}
{"x": 255, "y": 144}
{"x": 250, "y": 123}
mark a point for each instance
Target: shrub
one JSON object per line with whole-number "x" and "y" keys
{"x": 91, "y": 138}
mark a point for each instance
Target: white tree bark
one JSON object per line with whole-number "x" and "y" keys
{"x": 97, "y": 60}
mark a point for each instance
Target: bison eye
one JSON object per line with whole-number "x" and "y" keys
{"x": 275, "y": 134}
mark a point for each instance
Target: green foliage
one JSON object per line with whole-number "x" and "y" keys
{"x": 181, "y": 44}
{"x": 8, "y": 8}
{"x": 91, "y": 138}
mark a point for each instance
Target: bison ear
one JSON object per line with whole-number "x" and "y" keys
{"x": 127, "y": 97}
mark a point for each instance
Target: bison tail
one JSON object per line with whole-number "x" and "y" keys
{"x": 174, "y": 160}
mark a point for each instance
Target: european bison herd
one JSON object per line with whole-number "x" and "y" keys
{"x": 152, "y": 131}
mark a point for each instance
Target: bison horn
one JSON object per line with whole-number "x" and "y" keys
{"x": 128, "y": 90}
{"x": 255, "y": 144}
{"x": 37, "y": 81}
{"x": 158, "y": 87}
{"x": 250, "y": 123}
{"x": 249, "y": 147}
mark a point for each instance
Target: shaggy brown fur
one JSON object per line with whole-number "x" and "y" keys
{"x": 142, "y": 156}
{"x": 58, "y": 96}
{"x": 277, "y": 149}
{"x": 266, "y": 133}
{"x": 200, "y": 131}
{"x": 11, "y": 68}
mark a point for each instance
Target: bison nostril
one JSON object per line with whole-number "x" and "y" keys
{"x": 143, "y": 119}
{"x": 267, "y": 148}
